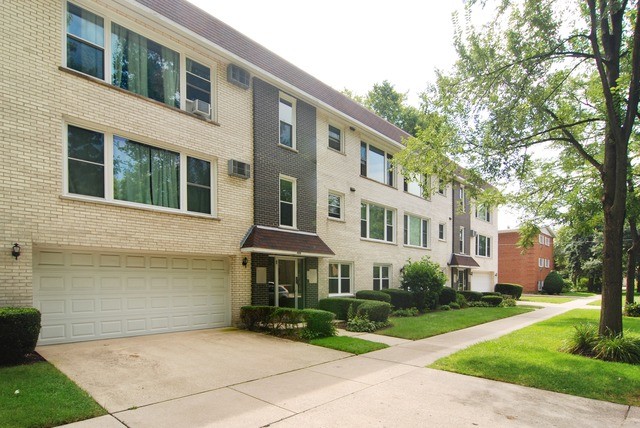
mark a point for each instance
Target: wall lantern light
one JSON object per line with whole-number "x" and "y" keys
{"x": 245, "y": 261}
{"x": 15, "y": 251}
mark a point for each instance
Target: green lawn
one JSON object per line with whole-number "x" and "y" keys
{"x": 530, "y": 357}
{"x": 547, "y": 299}
{"x": 352, "y": 345}
{"x": 46, "y": 398}
{"x": 624, "y": 298}
{"x": 578, "y": 294}
{"x": 439, "y": 322}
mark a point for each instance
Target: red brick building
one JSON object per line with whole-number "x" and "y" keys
{"x": 528, "y": 269}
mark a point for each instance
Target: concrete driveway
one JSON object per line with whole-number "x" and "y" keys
{"x": 133, "y": 372}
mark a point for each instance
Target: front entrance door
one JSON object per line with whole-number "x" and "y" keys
{"x": 288, "y": 287}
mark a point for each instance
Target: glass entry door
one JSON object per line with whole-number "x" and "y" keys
{"x": 288, "y": 288}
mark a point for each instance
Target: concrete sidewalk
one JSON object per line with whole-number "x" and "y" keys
{"x": 389, "y": 387}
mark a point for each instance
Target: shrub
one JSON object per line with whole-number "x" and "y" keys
{"x": 284, "y": 320}
{"x": 373, "y": 295}
{"x": 492, "y": 300}
{"x": 475, "y": 304}
{"x": 513, "y": 290}
{"x": 553, "y": 283}
{"x": 361, "y": 324}
{"x": 319, "y": 324}
{"x": 447, "y": 295}
{"x": 339, "y": 305}
{"x": 508, "y": 302}
{"x": 632, "y": 310}
{"x": 411, "y": 312}
{"x": 471, "y": 296}
{"x": 430, "y": 300}
{"x": 461, "y": 300}
{"x": 421, "y": 277}
{"x": 400, "y": 299}
{"x": 374, "y": 311}
{"x": 19, "y": 330}
{"x": 454, "y": 305}
{"x": 445, "y": 308}
{"x": 256, "y": 317}
{"x": 582, "y": 341}
{"x": 621, "y": 348}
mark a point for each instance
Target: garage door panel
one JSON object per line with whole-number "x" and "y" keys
{"x": 482, "y": 281}
{"x": 86, "y": 296}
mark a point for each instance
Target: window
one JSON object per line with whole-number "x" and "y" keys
{"x": 339, "y": 278}
{"x": 335, "y": 205}
{"x": 287, "y": 202}
{"x": 541, "y": 239}
{"x": 547, "y": 241}
{"x": 144, "y": 67}
{"x": 287, "y": 121}
{"x": 141, "y": 173}
{"x": 546, "y": 263}
{"x": 461, "y": 240}
{"x": 540, "y": 262}
{"x": 381, "y": 278}
{"x": 442, "y": 232}
{"x": 137, "y": 64}
{"x": 461, "y": 201}
{"x": 442, "y": 187}
{"x": 483, "y": 246}
{"x": 376, "y": 164}
{"x": 335, "y": 138}
{"x": 416, "y": 187}
{"x": 85, "y": 41}
{"x": 483, "y": 213}
{"x": 376, "y": 222}
{"x": 198, "y": 82}
{"x": 416, "y": 231}
{"x": 540, "y": 285}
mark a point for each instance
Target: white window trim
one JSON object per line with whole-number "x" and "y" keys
{"x": 129, "y": 24}
{"x": 540, "y": 262}
{"x": 461, "y": 239}
{"x": 341, "y": 129}
{"x": 444, "y": 189}
{"x": 108, "y": 173}
{"x": 386, "y": 175}
{"x": 541, "y": 239}
{"x": 341, "y": 196}
{"x": 488, "y": 243}
{"x": 540, "y": 285}
{"x": 390, "y": 270}
{"x": 462, "y": 197}
{"x": 394, "y": 223}
{"x": 546, "y": 263}
{"x": 444, "y": 232}
{"x": 293, "y": 101}
{"x": 294, "y": 201}
{"x": 428, "y": 220}
{"x": 487, "y": 217}
{"x": 423, "y": 184}
{"x": 351, "y": 282}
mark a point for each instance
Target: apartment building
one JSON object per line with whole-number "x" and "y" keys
{"x": 528, "y": 268}
{"x": 161, "y": 170}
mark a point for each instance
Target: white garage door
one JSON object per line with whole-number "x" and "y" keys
{"x": 482, "y": 281}
{"x": 98, "y": 295}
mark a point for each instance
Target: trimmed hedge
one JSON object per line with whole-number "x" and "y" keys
{"x": 471, "y": 296}
{"x": 492, "y": 300}
{"x": 255, "y": 317}
{"x": 553, "y": 283}
{"x": 340, "y": 305}
{"x": 400, "y": 299}
{"x": 375, "y": 311}
{"x": 19, "y": 330}
{"x": 373, "y": 295}
{"x": 514, "y": 290}
{"x": 319, "y": 324}
{"x": 447, "y": 295}
{"x": 277, "y": 320}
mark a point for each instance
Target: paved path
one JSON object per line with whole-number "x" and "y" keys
{"x": 386, "y": 388}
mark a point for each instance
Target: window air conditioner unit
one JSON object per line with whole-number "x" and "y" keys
{"x": 199, "y": 108}
{"x": 239, "y": 169}
{"x": 473, "y": 233}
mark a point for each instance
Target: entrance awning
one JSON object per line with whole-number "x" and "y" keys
{"x": 270, "y": 240}
{"x": 462, "y": 261}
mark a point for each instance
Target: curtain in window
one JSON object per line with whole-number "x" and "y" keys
{"x": 171, "y": 76}
{"x": 129, "y": 60}
{"x": 165, "y": 178}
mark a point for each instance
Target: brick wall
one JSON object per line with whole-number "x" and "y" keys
{"x": 523, "y": 268}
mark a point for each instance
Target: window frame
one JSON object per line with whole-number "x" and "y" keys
{"x": 461, "y": 239}
{"x": 407, "y": 232}
{"x": 541, "y": 239}
{"x": 487, "y": 246}
{"x": 547, "y": 241}
{"x": 444, "y": 232}
{"x": 483, "y": 213}
{"x": 386, "y": 224}
{"x": 423, "y": 186}
{"x": 294, "y": 201}
{"x": 340, "y": 142}
{"x": 547, "y": 263}
{"x": 462, "y": 199}
{"x": 341, "y": 206}
{"x": 380, "y": 278}
{"x": 143, "y": 31}
{"x": 340, "y": 278}
{"x": 442, "y": 187}
{"x": 293, "y": 102}
{"x": 540, "y": 262}
{"x": 390, "y": 177}
{"x": 108, "y": 165}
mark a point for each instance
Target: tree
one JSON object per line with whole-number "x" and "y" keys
{"x": 425, "y": 280}
{"x": 542, "y": 79}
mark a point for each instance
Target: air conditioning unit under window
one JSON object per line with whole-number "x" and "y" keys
{"x": 239, "y": 169}
{"x": 199, "y": 107}
{"x": 473, "y": 233}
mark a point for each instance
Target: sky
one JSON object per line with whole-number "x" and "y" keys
{"x": 354, "y": 44}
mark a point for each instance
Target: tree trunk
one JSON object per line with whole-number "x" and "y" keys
{"x": 611, "y": 309}
{"x": 632, "y": 254}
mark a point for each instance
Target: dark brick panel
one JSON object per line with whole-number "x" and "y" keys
{"x": 461, "y": 219}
